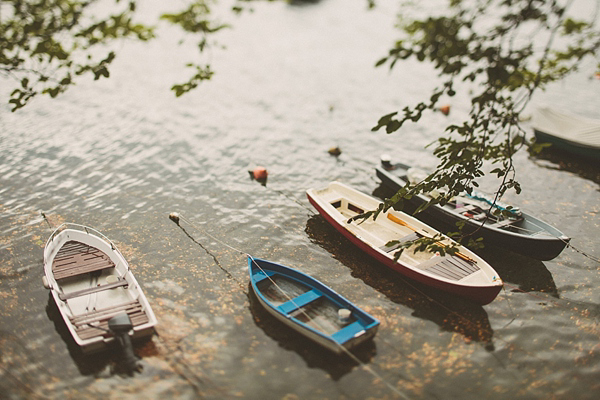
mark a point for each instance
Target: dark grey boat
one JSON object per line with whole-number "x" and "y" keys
{"x": 521, "y": 232}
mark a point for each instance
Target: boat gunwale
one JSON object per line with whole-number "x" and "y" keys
{"x": 550, "y": 122}
{"x": 389, "y": 259}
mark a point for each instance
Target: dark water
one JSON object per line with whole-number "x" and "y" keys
{"x": 122, "y": 154}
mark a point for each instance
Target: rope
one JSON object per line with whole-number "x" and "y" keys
{"x": 175, "y": 217}
{"x": 593, "y": 258}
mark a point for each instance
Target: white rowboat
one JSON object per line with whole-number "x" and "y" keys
{"x": 91, "y": 283}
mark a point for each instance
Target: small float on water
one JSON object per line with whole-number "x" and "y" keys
{"x": 462, "y": 273}
{"x": 514, "y": 229}
{"x": 96, "y": 293}
{"x": 310, "y": 307}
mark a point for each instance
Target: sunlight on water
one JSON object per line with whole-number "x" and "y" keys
{"x": 291, "y": 82}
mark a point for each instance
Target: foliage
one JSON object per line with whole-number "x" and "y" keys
{"x": 45, "y": 44}
{"x": 502, "y": 51}
{"x": 198, "y": 20}
{"x": 195, "y": 20}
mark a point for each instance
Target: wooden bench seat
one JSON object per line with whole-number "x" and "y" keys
{"x": 94, "y": 289}
{"x": 506, "y": 222}
{"x": 300, "y": 301}
{"x": 99, "y": 319}
{"x": 411, "y": 237}
{"x": 452, "y": 267}
{"x": 76, "y": 258}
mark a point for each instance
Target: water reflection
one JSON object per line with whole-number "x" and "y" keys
{"x": 560, "y": 160}
{"x": 449, "y": 312}
{"x": 313, "y": 355}
{"x": 529, "y": 274}
{"x": 99, "y": 362}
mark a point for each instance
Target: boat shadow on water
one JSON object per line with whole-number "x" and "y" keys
{"x": 97, "y": 362}
{"x": 313, "y": 355}
{"x": 559, "y": 160}
{"x": 528, "y": 274}
{"x": 449, "y": 312}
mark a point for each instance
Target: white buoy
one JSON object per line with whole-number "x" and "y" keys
{"x": 344, "y": 314}
{"x": 386, "y": 160}
{"x": 174, "y": 216}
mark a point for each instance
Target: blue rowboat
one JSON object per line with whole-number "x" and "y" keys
{"x": 310, "y": 307}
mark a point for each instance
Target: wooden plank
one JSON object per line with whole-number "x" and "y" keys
{"x": 99, "y": 314}
{"x": 300, "y": 301}
{"x": 453, "y": 268}
{"x": 94, "y": 289}
{"x": 505, "y": 222}
{"x": 402, "y": 240}
{"x": 79, "y": 257}
{"x": 76, "y": 258}
{"x": 79, "y": 262}
{"x": 138, "y": 318}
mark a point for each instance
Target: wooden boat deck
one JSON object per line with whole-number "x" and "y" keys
{"x": 76, "y": 258}
{"x": 95, "y": 323}
{"x": 451, "y": 267}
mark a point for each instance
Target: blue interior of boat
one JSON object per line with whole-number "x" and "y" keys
{"x": 348, "y": 332}
{"x": 300, "y": 301}
{"x": 259, "y": 276}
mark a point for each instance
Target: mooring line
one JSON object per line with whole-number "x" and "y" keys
{"x": 294, "y": 199}
{"x": 583, "y": 253}
{"x": 176, "y": 217}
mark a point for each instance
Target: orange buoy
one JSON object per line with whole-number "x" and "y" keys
{"x": 445, "y": 109}
{"x": 260, "y": 173}
{"x": 335, "y": 151}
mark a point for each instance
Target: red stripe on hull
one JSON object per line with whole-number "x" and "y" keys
{"x": 481, "y": 295}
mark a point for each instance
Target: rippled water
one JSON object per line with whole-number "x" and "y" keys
{"x": 293, "y": 81}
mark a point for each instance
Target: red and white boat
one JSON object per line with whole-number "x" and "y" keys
{"x": 463, "y": 273}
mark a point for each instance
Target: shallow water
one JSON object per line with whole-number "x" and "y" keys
{"x": 122, "y": 154}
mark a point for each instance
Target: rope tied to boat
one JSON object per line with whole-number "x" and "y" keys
{"x": 176, "y": 217}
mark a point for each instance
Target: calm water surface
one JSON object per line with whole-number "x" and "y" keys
{"x": 293, "y": 81}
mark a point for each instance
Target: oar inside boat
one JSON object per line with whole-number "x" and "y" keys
{"x": 424, "y": 233}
